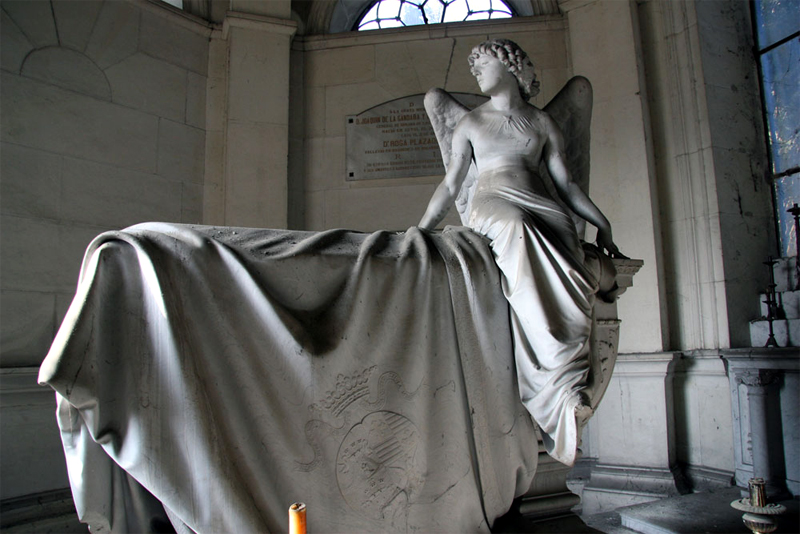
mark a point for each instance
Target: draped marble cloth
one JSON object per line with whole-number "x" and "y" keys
{"x": 220, "y": 374}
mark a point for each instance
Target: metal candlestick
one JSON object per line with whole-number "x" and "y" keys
{"x": 795, "y": 211}
{"x": 771, "y": 302}
{"x": 759, "y": 516}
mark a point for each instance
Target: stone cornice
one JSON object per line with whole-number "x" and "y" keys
{"x": 178, "y": 16}
{"x": 431, "y": 31}
{"x": 757, "y": 377}
{"x": 568, "y": 5}
{"x": 19, "y": 387}
{"x": 785, "y": 359}
{"x": 249, "y": 21}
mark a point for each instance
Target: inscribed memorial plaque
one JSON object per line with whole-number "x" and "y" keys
{"x": 396, "y": 140}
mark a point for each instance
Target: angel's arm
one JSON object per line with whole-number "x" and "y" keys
{"x": 571, "y": 192}
{"x": 445, "y": 194}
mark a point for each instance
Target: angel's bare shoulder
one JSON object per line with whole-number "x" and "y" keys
{"x": 470, "y": 121}
{"x": 540, "y": 115}
{"x": 547, "y": 122}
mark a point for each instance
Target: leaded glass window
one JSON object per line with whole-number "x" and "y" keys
{"x": 396, "y": 13}
{"x": 778, "y": 49}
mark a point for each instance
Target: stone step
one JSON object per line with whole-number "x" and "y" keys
{"x": 786, "y": 331}
{"x": 786, "y": 274}
{"x": 788, "y": 301}
{"x": 708, "y": 512}
{"x": 607, "y": 523}
{"x": 44, "y": 513}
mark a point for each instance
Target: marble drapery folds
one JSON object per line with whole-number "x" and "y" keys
{"x": 224, "y": 373}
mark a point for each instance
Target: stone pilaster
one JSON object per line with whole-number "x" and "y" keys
{"x": 757, "y": 382}
{"x": 604, "y": 46}
{"x": 632, "y": 436}
{"x": 248, "y": 144}
{"x": 765, "y": 408}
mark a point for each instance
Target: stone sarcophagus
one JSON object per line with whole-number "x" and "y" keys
{"x": 213, "y": 376}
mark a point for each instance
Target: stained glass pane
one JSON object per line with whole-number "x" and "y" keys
{"x": 411, "y": 15}
{"x": 433, "y": 10}
{"x": 787, "y": 193}
{"x": 781, "y": 82}
{"x": 776, "y": 19}
{"x": 371, "y": 25}
{"x": 388, "y": 9}
{"x": 456, "y": 12}
{"x": 479, "y": 5}
{"x": 390, "y": 13}
{"x": 390, "y": 23}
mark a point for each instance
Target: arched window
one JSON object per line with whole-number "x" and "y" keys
{"x": 396, "y": 13}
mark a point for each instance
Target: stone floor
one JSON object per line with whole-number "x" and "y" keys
{"x": 52, "y": 512}
{"x": 708, "y": 512}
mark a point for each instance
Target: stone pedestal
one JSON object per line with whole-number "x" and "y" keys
{"x": 549, "y": 495}
{"x": 764, "y": 387}
{"x": 29, "y": 436}
{"x": 632, "y": 434}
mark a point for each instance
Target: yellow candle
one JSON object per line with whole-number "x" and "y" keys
{"x": 758, "y": 492}
{"x": 297, "y": 518}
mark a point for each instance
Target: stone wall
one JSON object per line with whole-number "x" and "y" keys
{"x": 605, "y": 47}
{"x": 347, "y": 73}
{"x": 709, "y": 211}
{"x": 714, "y": 204}
{"x": 103, "y": 117}
{"x": 119, "y": 112}
{"x": 103, "y": 126}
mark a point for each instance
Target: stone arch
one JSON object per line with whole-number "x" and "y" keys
{"x": 68, "y": 69}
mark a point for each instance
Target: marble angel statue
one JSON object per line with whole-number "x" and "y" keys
{"x": 508, "y": 171}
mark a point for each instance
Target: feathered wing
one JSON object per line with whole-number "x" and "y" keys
{"x": 571, "y": 109}
{"x": 444, "y": 112}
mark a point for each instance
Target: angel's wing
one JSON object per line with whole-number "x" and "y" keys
{"x": 571, "y": 108}
{"x": 444, "y": 112}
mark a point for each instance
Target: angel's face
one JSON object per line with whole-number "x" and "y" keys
{"x": 491, "y": 74}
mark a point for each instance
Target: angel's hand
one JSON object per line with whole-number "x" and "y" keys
{"x": 606, "y": 242}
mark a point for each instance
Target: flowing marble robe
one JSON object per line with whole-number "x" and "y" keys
{"x": 550, "y": 291}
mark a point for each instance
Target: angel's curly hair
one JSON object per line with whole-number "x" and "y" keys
{"x": 516, "y": 61}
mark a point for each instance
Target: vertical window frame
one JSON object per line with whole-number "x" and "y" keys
{"x": 787, "y": 242}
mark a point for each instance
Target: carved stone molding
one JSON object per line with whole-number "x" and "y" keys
{"x": 763, "y": 410}
{"x": 258, "y": 22}
{"x": 626, "y": 268}
{"x": 568, "y": 5}
{"x": 757, "y": 377}
{"x": 319, "y": 16}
